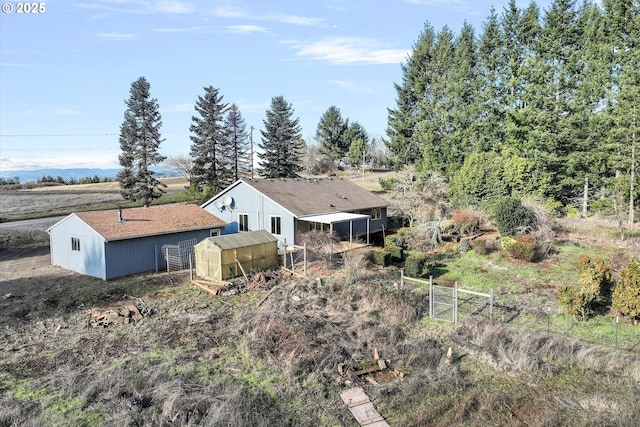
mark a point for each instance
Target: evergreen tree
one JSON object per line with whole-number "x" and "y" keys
{"x": 238, "y": 143}
{"x": 435, "y": 111}
{"x": 140, "y": 143}
{"x": 465, "y": 90}
{"x": 356, "y": 134}
{"x": 282, "y": 146}
{"x": 403, "y": 143}
{"x": 331, "y": 134}
{"x": 209, "y": 147}
{"x": 624, "y": 134}
{"x": 493, "y": 78}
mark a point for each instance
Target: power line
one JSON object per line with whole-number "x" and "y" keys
{"x": 55, "y": 135}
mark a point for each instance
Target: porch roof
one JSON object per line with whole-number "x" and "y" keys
{"x": 333, "y": 218}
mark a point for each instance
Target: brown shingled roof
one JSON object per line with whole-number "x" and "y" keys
{"x": 315, "y": 196}
{"x": 139, "y": 222}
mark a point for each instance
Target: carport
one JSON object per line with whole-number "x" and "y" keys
{"x": 339, "y": 217}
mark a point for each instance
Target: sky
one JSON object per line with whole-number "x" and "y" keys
{"x": 66, "y": 72}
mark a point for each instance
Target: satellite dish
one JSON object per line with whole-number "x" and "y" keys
{"x": 219, "y": 205}
{"x": 227, "y": 201}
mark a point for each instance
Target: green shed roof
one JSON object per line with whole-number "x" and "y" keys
{"x": 241, "y": 240}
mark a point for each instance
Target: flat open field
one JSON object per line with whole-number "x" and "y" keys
{"x": 64, "y": 199}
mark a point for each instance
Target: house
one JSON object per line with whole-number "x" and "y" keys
{"x": 118, "y": 242}
{"x": 287, "y": 207}
{"x": 218, "y": 257}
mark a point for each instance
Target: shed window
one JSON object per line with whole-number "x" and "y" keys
{"x": 276, "y": 225}
{"x": 75, "y": 244}
{"x": 376, "y": 213}
{"x": 243, "y": 222}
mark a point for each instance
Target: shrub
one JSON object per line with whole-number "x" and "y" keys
{"x": 511, "y": 216}
{"x": 482, "y": 247}
{"x": 395, "y": 253}
{"x": 380, "y": 257}
{"x": 466, "y": 221}
{"x": 626, "y": 295}
{"x": 399, "y": 238}
{"x": 523, "y": 248}
{"x": 594, "y": 280}
{"x": 417, "y": 265}
{"x": 464, "y": 247}
{"x": 387, "y": 184}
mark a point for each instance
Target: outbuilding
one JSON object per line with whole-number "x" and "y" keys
{"x": 224, "y": 257}
{"x": 118, "y": 242}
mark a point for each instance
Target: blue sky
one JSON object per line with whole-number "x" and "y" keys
{"x": 65, "y": 73}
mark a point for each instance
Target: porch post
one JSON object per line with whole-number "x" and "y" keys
{"x": 368, "y": 227}
{"x": 351, "y": 234}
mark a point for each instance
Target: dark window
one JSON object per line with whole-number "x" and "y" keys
{"x": 376, "y": 213}
{"x": 243, "y": 222}
{"x": 276, "y": 225}
{"x": 75, "y": 244}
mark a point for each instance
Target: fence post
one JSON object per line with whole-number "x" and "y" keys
{"x": 284, "y": 254}
{"x": 402, "y": 278}
{"x": 491, "y": 305}
{"x": 304, "y": 257}
{"x": 455, "y": 302}
{"x": 431, "y": 297}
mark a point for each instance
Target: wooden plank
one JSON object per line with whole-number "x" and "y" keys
{"x": 361, "y": 408}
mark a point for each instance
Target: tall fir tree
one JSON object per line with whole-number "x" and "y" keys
{"x": 140, "y": 144}
{"x": 331, "y": 134}
{"x": 238, "y": 144}
{"x": 403, "y": 142}
{"x": 435, "y": 110}
{"x": 281, "y": 143}
{"x": 209, "y": 143}
{"x": 492, "y": 77}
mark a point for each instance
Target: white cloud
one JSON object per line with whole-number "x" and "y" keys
{"x": 349, "y": 50}
{"x": 117, "y": 36}
{"x": 228, "y": 12}
{"x": 245, "y": 29}
{"x": 70, "y": 159}
{"x": 351, "y": 87}
{"x": 178, "y": 108}
{"x": 142, "y": 7}
{"x": 67, "y": 111}
{"x": 295, "y": 20}
{"x": 179, "y": 30}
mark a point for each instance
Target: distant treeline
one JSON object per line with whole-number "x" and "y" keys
{"x": 59, "y": 180}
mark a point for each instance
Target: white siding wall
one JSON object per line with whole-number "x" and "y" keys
{"x": 89, "y": 260}
{"x": 259, "y": 208}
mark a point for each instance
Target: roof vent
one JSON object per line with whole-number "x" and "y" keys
{"x": 120, "y": 218}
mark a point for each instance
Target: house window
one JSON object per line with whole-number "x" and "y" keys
{"x": 75, "y": 244}
{"x": 243, "y": 222}
{"x": 214, "y": 232}
{"x": 376, "y": 213}
{"x": 276, "y": 225}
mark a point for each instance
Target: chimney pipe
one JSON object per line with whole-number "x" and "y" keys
{"x": 120, "y": 219}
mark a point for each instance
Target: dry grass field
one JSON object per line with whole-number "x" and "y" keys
{"x": 74, "y": 353}
{"x": 59, "y": 200}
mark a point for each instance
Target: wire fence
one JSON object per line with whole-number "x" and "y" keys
{"x": 601, "y": 331}
{"x": 452, "y": 304}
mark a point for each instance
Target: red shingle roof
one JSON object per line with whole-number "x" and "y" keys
{"x": 316, "y": 196}
{"x": 139, "y": 222}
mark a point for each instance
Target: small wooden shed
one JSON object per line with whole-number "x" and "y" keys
{"x": 218, "y": 257}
